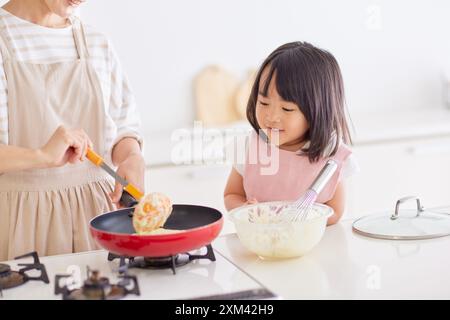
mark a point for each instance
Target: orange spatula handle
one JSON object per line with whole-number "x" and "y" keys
{"x": 94, "y": 157}
{"x": 134, "y": 191}
{"x": 98, "y": 161}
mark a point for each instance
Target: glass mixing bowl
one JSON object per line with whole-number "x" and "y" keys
{"x": 268, "y": 233}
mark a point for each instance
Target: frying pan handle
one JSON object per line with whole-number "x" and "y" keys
{"x": 127, "y": 200}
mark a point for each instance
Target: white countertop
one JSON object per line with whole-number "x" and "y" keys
{"x": 345, "y": 265}
{"x": 370, "y": 127}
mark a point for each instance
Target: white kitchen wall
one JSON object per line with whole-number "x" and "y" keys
{"x": 392, "y": 53}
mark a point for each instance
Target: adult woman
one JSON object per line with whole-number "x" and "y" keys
{"x": 59, "y": 73}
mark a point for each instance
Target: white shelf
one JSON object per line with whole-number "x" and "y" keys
{"x": 371, "y": 127}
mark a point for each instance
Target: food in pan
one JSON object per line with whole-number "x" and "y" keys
{"x": 151, "y": 213}
{"x": 159, "y": 231}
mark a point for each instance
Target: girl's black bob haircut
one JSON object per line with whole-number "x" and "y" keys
{"x": 311, "y": 78}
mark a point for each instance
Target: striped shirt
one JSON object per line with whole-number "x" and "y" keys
{"x": 37, "y": 44}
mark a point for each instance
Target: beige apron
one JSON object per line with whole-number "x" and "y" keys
{"x": 48, "y": 210}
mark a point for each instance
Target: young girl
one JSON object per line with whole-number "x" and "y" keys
{"x": 296, "y": 107}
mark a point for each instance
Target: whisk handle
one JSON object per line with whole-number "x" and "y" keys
{"x": 324, "y": 176}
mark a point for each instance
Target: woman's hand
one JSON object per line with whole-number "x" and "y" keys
{"x": 65, "y": 145}
{"x": 131, "y": 169}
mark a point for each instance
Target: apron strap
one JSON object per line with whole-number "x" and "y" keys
{"x": 5, "y": 49}
{"x": 80, "y": 37}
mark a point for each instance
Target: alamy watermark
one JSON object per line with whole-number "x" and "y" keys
{"x": 234, "y": 146}
{"x": 374, "y": 17}
{"x": 373, "y": 280}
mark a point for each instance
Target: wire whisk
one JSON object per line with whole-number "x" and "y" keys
{"x": 302, "y": 207}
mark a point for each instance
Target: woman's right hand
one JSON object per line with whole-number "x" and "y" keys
{"x": 65, "y": 145}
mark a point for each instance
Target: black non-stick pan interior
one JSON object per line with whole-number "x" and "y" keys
{"x": 183, "y": 217}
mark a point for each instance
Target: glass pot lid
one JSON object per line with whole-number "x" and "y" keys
{"x": 404, "y": 224}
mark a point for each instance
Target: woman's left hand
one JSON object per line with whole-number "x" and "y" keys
{"x": 131, "y": 169}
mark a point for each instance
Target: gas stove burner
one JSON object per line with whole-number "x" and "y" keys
{"x": 10, "y": 279}
{"x": 162, "y": 262}
{"x": 97, "y": 288}
{"x": 169, "y": 262}
{"x": 4, "y": 269}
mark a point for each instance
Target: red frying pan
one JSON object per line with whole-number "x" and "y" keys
{"x": 114, "y": 230}
{"x": 199, "y": 226}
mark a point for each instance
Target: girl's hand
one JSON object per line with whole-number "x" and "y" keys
{"x": 131, "y": 169}
{"x": 65, "y": 145}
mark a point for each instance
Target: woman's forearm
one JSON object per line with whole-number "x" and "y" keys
{"x": 234, "y": 201}
{"x": 14, "y": 158}
{"x": 123, "y": 149}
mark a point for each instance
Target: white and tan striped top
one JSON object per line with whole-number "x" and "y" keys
{"x": 34, "y": 43}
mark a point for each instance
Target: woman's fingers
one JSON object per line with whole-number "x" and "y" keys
{"x": 87, "y": 143}
{"x": 67, "y": 145}
{"x": 116, "y": 194}
{"x": 90, "y": 144}
{"x": 80, "y": 144}
{"x": 83, "y": 147}
{"x": 77, "y": 147}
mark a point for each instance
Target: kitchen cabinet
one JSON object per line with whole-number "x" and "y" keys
{"x": 391, "y": 170}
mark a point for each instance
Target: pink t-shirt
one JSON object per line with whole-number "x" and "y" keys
{"x": 273, "y": 174}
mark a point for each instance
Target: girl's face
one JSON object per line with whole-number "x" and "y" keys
{"x": 63, "y": 8}
{"x": 282, "y": 121}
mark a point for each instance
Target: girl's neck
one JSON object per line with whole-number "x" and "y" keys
{"x": 294, "y": 146}
{"x": 37, "y": 12}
